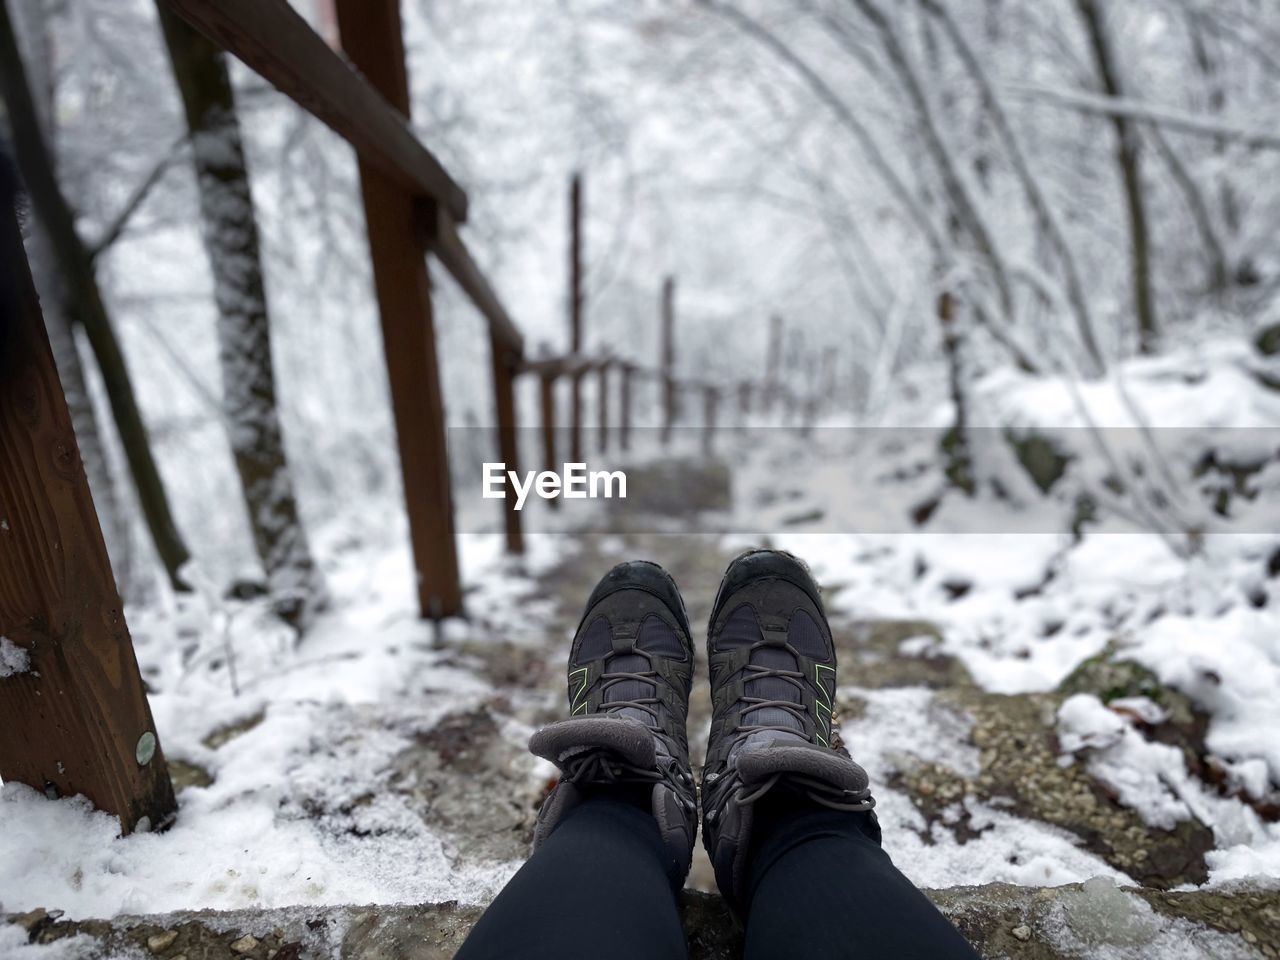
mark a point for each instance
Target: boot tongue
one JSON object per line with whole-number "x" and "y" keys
{"x": 743, "y": 628}
{"x": 654, "y": 637}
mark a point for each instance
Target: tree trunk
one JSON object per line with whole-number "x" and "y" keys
{"x": 957, "y": 458}
{"x": 244, "y": 342}
{"x": 1129, "y": 158}
{"x": 84, "y": 302}
{"x": 1207, "y": 63}
{"x": 32, "y": 30}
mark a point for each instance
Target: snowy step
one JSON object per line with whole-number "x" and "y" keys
{"x": 1079, "y": 920}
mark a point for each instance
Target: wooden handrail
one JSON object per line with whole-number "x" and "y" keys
{"x": 441, "y": 236}
{"x": 272, "y": 39}
{"x": 566, "y": 365}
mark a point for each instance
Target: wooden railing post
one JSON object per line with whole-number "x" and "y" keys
{"x": 666, "y": 367}
{"x": 504, "y": 396}
{"x": 827, "y": 381}
{"x": 575, "y": 315}
{"x": 74, "y": 716}
{"x": 772, "y": 362}
{"x": 624, "y": 414}
{"x": 602, "y": 402}
{"x": 547, "y": 394}
{"x": 710, "y": 397}
{"x": 372, "y": 39}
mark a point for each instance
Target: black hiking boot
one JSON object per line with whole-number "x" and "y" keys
{"x": 773, "y": 681}
{"x": 630, "y": 670}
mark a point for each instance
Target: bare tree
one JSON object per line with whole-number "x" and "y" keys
{"x": 32, "y": 29}
{"x": 1129, "y": 159}
{"x": 244, "y": 338}
{"x": 1044, "y": 214}
{"x": 84, "y": 304}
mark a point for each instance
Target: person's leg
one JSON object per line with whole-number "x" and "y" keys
{"x": 597, "y": 887}
{"x": 786, "y": 812}
{"x": 615, "y": 836}
{"x": 821, "y": 886}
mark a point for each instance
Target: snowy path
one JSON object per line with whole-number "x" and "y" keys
{"x": 383, "y": 762}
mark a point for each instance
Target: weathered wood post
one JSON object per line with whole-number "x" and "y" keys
{"x": 772, "y": 362}
{"x": 710, "y": 397}
{"x": 575, "y": 315}
{"x": 602, "y": 402}
{"x": 666, "y": 366}
{"x": 371, "y": 37}
{"x": 504, "y": 397}
{"x": 810, "y": 401}
{"x": 547, "y": 393}
{"x": 827, "y": 382}
{"x": 624, "y": 415}
{"x": 74, "y": 716}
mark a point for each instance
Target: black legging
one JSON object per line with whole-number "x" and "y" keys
{"x": 819, "y": 887}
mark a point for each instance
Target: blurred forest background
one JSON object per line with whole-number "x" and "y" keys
{"x": 1087, "y": 180}
{"x": 1042, "y": 231}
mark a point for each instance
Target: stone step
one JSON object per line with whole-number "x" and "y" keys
{"x": 1079, "y": 920}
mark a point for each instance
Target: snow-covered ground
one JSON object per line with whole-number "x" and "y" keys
{"x": 305, "y": 730}
{"x": 370, "y": 671}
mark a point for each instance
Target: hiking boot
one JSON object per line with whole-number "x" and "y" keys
{"x": 630, "y": 670}
{"x": 773, "y": 682}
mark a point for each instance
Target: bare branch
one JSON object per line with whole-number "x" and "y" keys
{"x": 1139, "y": 110}
{"x": 842, "y": 111}
{"x": 114, "y": 229}
{"x": 962, "y": 201}
{"x": 1045, "y": 215}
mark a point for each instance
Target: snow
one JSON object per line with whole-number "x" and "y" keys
{"x": 13, "y": 659}
{"x": 1102, "y": 921}
{"x": 1230, "y": 665}
{"x": 1021, "y": 605}
{"x": 295, "y": 816}
{"x": 1018, "y": 602}
{"x": 14, "y": 946}
{"x": 335, "y": 711}
{"x": 1014, "y": 850}
{"x": 1083, "y": 721}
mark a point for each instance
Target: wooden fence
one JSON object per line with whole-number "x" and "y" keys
{"x": 77, "y": 721}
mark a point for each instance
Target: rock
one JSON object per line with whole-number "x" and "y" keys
{"x": 397, "y": 934}
{"x": 1220, "y": 923}
{"x": 184, "y": 774}
{"x": 1021, "y": 932}
{"x": 1018, "y": 756}
{"x": 159, "y": 942}
{"x": 33, "y": 920}
{"x": 474, "y": 784}
{"x": 1101, "y": 913}
{"x": 229, "y": 732}
{"x": 896, "y": 653}
{"x": 246, "y": 944}
{"x": 1040, "y": 457}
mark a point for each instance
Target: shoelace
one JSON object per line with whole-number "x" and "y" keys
{"x": 726, "y": 790}
{"x": 854, "y": 801}
{"x": 754, "y": 671}
{"x": 645, "y": 704}
{"x": 599, "y": 765}
{"x": 725, "y": 787}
